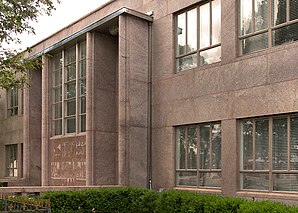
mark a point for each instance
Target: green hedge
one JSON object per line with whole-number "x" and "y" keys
{"x": 143, "y": 200}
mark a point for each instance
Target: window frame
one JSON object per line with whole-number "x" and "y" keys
{"x": 12, "y": 167}
{"x": 270, "y": 171}
{"x": 12, "y": 102}
{"x": 198, "y": 168}
{"x": 65, "y": 84}
{"x": 269, "y": 30}
{"x": 198, "y": 49}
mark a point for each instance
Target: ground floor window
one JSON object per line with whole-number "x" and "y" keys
{"x": 198, "y": 155}
{"x": 11, "y": 152}
{"x": 269, "y": 153}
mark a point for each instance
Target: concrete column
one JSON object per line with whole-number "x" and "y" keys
{"x": 229, "y": 29}
{"x": 89, "y": 109}
{"x": 230, "y": 159}
{"x": 133, "y": 107}
{"x": 45, "y": 123}
{"x": 26, "y": 139}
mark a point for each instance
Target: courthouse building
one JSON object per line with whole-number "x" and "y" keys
{"x": 187, "y": 94}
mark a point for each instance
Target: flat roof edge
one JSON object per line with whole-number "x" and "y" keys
{"x": 123, "y": 10}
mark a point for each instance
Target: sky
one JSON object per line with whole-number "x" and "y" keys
{"x": 66, "y": 12}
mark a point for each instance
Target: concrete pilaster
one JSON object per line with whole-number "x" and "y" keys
{"x": 89, "y": 109}
{"x": 229, "y": 157}
{"x": 45, "y": 123}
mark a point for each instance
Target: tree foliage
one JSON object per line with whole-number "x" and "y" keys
{"x": 16, "y": 17}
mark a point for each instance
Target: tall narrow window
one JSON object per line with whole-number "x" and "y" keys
{"x": 199, "y": 36}
{"x": 12, "y": 102}
{"x": 11, "y": 160}
{"x": 198, "y": 151}
{"x": 269, "y": 157}
{"x": 69, "y": 90}
{"x": 259, "y": 31}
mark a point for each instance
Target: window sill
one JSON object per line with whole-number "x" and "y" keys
{"x": 282, "y": 196}
{"x": 68, "y": 135}
{"x": 200, "y": 190}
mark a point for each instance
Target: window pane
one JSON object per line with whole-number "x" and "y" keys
{"x": 254, "y": 43}
{"x": 210, "y": 56}
{"x": 280, "y": 144}
{"x": 285, "y": 182}
{"x": 70, "y": 108}
{"x": 58, "y": 110}
{"x": 293, "y": 10}
{"x": 181, "y": 148}
{"x": 70, "y": 125}
{"x": 262, "y": 144}
{"x": 216, "y": 146}
{"x": 279, "y": 12}
{"x": 257, "y": 181}
{"x": 285, "y": 34}
{"x": 83, "y": 105}
{"x": 186, "y": 178}
{"x": 191, "y": 30}
{"x": 205, "y": 147}
{"x": 205, "y": 25}
{"x": 57, "y": 94}
{"x": 187, "y": 62}
{"x": 70, "y": 72}
{"x": 83, "y": 123}
{"x": 261, "y": 14}
{"x": 82, "y": 87}
{"x": 210, "y": 179}
{"x": 181, "y": 34}
{"x": 82, "y": 69}
{"x": 192, "y": 147}
{"x": 294, "y": 143}
{"x": 245, "y": 17}
{"x": 58, "y": 127}
{"x": 70, "y": 90}
{"x": 70, "y": 55}
{"x": 57, "y": 78}
{"x": 82, "y": 50}
{"x": 57, "y": 59}
{"x": 246, "y": 145}
{"x": 216, "y": 22}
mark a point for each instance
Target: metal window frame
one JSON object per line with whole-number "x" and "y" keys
{"x": 12, "y": 95}
{"x": 270, "y": 171}
{"x": 64, "y": 83}
{"x": 198, "y": 49}
{"x": 271, "y": 27}
{"x": 198, "y": 170}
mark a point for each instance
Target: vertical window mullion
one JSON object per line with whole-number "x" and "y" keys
{"x": 198, "y": 155}
{"x": 289, "y": 141}
{"x": 210, "y": 19}
{"x": 77, "y": 88}
{"x": 210, "y": 150}
{"x": 253, "y": 16}
{"x": 270, "y": 24}
{"x": 254, "y": 145}
{"x": 186, "y": 149}
{"x": 63, "y": 93}
{"x": 270, "y": 154}
{"x": 288, "y": 11}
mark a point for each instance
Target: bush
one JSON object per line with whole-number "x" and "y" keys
{"x": 143, "y": 200}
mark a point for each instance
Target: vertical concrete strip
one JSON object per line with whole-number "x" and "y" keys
{"x": 26, "y": 140}
{"x": 45, "y": 122}
{"x": 229, "y": 157}
{"x": 122, "y": 103}
{"x": 89, "y": 109}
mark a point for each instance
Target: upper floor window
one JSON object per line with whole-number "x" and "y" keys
{"x": 198, "y": 36}
{"x": 12, "y": 102}
{"x": 198, "y": 155}
{"x": 269, "y": 153}
{"x": 267, "y": 23}
{"x": 69, "y": 90}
